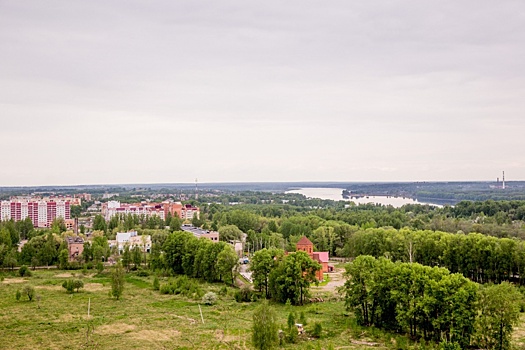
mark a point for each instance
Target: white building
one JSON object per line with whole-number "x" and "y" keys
{"x": 132, "y": 239}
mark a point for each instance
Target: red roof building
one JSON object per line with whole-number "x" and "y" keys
{"x": 322, "y": 258}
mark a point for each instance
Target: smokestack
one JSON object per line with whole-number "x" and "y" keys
{"x": 503, "y": 186}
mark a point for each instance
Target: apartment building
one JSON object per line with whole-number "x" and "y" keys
{"x": 41, "y": 212}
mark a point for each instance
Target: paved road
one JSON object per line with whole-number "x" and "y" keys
{"x": 243, "y": 271}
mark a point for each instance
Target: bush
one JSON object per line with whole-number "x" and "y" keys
{"x": 245, "y": 294}
{"x": 68, "y": 286}
{"x": 24, "y": 271}
{"x": 318, "y": 330}
{"x": 142, "y": 273}
{"x": 30, "y": 292}
{"x": 223, "y": 291}
{"x": 100, "y": 267}
{"x": 18, "y": 295}
{"x": 156, "y": 283}
{"x": 184, "y": 286}
{"x": 209, "y": 298}
{"x": 302, "y": 319}
{"x": 71, "y": 285}
{"x": 77, "y": 284}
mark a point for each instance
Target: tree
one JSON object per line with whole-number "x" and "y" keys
{"x": 136, "y": 256}
{"x": 499, "y": 312}
{"x": 29, "y": 291}
{"x": 117, "y": 281}
{"x": 99, "y": 223}
{"x": 292, "y": 277}
{"x": 230, "y": 233}
{"x": 262, "y": 263}
{"x": 175, "y": 223}
{"x": 63, "y": 259}
{"x": 265, "y": 329}
{"x": 126, "y": 256}
{"x": 227, "y": 261}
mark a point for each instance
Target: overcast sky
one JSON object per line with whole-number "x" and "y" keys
{"x": 97, "y": 92}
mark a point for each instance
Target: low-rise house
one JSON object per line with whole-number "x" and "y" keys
{"x": 75, "y": 247}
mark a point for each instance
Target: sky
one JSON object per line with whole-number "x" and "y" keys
{"x": 136, "y": 91}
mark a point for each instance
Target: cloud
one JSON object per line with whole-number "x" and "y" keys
{"x": 233, "y": 91}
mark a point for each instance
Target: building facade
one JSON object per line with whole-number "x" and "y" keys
{"x": 41, "y": 212}
{"x": 112, "y": 208}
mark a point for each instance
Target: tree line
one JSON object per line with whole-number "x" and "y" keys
{"x": 483, "y": 259}
{"x": 430, "y": 303}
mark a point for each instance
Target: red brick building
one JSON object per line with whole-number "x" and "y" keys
{"x": 322, "y": 258}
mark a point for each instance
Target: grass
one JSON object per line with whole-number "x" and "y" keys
{"x": 144, "y": 318}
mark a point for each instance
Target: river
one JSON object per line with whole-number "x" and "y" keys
{"x": 336, "y": 194}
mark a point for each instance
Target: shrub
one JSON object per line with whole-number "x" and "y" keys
{"x": 142, "y": 273}
{"x": 68, "y": 286}
{"x": 245, "y": 294}
{"x": 156, "y": 283}
{"x": 77, "y": 284}
{"x": 292, "y": 334}
{"x": 30, "y": 292}
{"x": 18, "y": 295}
{"x": 100, "y": 267}
{"x": 24, "y": 271}
{"x": 318, "y": 330}
{"x": 223, "y": 291}
{"x": 302, "y": 319}
{"x": 184, "y": 286}
{"x": 71, "y": 285}
{"x": 209, "y": 298}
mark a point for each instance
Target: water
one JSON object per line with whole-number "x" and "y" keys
{"x": 336, "y": 194}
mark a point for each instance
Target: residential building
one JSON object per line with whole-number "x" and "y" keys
{"x": 132, "y": 240}
{"x": 187, "y": 211}
{"x": 200, "y": 233}
{"x": 42, "y": 212}
{"x": 75, "y": 247}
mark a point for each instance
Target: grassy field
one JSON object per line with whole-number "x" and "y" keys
{"x": 145, "y": 319}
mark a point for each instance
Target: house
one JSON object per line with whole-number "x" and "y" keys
{"x": 322, "y": 258}
{"x": 132, "y": 239}
{"x": 75, "y": 247}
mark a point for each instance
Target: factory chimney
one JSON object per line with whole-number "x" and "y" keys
{"x": 503, "y": 186}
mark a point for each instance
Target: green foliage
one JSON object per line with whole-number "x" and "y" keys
{"x": 229, "y": 233}
{"x": 24, "y": 271}
{"x": 117, "y": 281}
{"x": 63, "y": 259}
{"x": 444, "y": 345}
{"x": 245, "y": 294}
{"x": 265, "y": 329}
{"x": 262, "y": 263}
{"x": 421, "y": 301}
{"x": 29, "y": 291}
{"x": 77, "y": 284}
{"x": 318, "y": 330}
{"x": 227, "y": 262}
{"x": 68, "y": 286}
{"x": 184, "y": 286}
{"x": 209, "y": 298}
{"x": 291, "y": 278}
{"x": 156, "y": 283}
{"x": 499, "y": 306}
{"x": 100, "y": 267}
{"x": 18, "y": 295}
{"x": 302, "y": 319}
{"x": 291, "y": 320}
